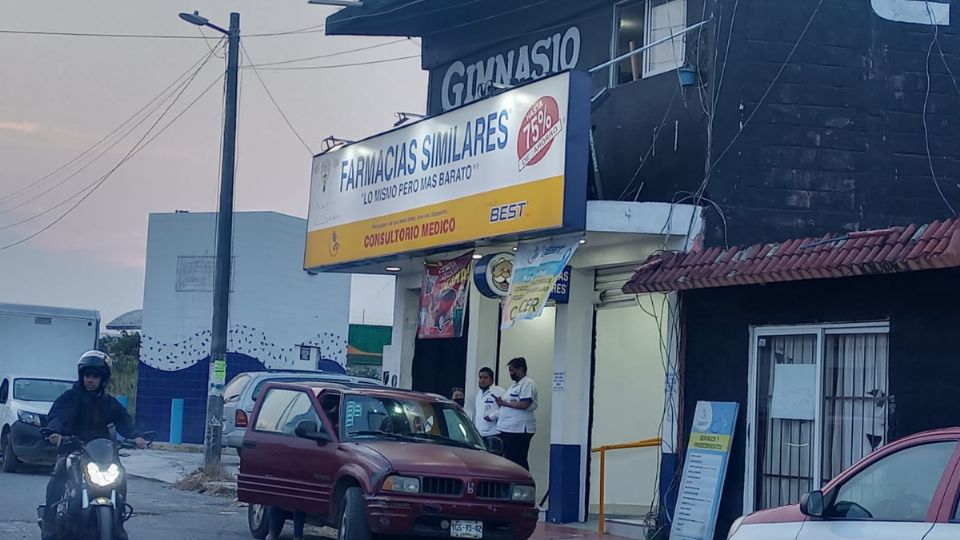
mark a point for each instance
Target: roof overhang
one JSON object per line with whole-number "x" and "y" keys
{"x": 897, "y": 249}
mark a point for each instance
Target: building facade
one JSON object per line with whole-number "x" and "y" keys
{"x": 280, "y": 316}
{"x": 770, "y": 121}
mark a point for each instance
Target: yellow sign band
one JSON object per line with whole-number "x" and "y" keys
{"x": 531, "y": 206}
{"x": 710, "y": 441}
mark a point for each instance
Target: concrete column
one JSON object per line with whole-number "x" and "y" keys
{"x": 399, "y": 356}
{"x": 569, "y": 435}
{"x": 481, "y": 342}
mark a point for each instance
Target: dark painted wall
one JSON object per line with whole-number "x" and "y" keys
{"x": 924, "y": 359}
{"x": 838, "y": 143}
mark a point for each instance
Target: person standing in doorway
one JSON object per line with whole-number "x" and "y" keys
{"x": 485, "y": 409}
{"x": 456, "y": 395}
{"x": 516, "y": 421}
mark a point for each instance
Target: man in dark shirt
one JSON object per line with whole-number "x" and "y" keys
{"x": 85, "y": 411}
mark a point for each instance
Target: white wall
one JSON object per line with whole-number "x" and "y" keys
{"x": 628, "y": 404}
{"x": 533, "y": 340}
{"x": 274, "y": 305}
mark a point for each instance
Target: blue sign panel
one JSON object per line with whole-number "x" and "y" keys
{"x": 704, "y": 470}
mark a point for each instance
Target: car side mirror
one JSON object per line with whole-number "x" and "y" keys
{"x": 495, "y": 446}
{"x": 309, "y": 429}
{"x": 812, "y": 505}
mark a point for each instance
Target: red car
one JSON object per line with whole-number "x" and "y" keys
{"x": 377, "y": 462}
{"x": 906, "y": 490}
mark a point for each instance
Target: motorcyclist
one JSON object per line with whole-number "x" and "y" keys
{"x": 85, "y": 411}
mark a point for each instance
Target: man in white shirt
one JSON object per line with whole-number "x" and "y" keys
{"x": 516, "y": 421}
{"x": 485, "y": 410}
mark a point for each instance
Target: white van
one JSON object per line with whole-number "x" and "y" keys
{"x": 25, "y": 402}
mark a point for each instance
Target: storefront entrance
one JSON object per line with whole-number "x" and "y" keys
{"x": 818, "y": 402}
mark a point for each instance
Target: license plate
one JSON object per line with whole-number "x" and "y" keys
{"x": 466, "y": 529}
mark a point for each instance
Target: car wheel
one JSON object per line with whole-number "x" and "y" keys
{"x": 258, "y": 519}
{"x": 10, "y": 461}
{"x": 353, "y": 520}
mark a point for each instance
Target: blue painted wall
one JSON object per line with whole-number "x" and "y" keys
{"x": 156, "y": 389}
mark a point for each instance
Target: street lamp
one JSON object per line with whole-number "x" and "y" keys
{"x": 404, "y": 117}
{"x": 221, "y": 285}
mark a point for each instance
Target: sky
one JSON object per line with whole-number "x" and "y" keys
{"x": 60, "y": 95}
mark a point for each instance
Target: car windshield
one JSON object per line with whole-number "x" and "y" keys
{"x": 408, "y": 419}
{"x": 39, "y": 389}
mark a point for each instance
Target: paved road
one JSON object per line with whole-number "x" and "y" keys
{"x": 163, "y": 512}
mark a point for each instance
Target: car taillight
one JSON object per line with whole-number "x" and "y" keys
{"x": 240, "y": 418}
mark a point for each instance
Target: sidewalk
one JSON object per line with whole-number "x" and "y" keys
{"x": 170, "y": 466}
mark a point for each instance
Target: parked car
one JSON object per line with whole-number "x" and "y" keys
{"x": 379, "y": 461}
{"x": 907, "y": 490}
{"x": 25, "y": 402}
{"x": 241, "y": 392}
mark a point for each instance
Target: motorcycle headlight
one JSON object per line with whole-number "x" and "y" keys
{"x": 523, "y": 494}
{"x": 29, "y": 418}
{"x": 101, "y": 477}
{"x": 402, "y": 484}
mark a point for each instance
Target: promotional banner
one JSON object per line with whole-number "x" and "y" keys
{"x": 536, "y": 268}
{"x": 443, "y": 298}
{"x": 509, "y": 164}
{"x": 704, "y": 471}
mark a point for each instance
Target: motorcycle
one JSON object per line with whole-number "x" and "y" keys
{"x": 94, "y": 501}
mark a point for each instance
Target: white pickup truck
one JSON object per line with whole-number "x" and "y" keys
{"x": 39, "y": 348}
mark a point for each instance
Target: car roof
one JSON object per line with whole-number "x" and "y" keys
{"x": 370, "y": 390}
{"x": 326, "y": 375}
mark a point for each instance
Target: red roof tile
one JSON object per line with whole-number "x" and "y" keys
{"x": 886, "y": 251}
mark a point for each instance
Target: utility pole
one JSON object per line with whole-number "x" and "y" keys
{"x": 221, "y": 286}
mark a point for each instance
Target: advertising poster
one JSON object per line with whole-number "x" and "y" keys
{"x": 443, "y": 298}
{"x": 704, "y": 471}
{"x": 537, "y": 266}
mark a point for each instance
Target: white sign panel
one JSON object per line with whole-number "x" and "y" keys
{"x": 794, "y": 391}
{"x": 512, "y": 163}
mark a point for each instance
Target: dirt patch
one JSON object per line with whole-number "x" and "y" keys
{"x": 215, "y": 482}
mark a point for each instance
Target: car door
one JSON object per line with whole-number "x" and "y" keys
{"x": 894, "y": 497}
{"x": 948, "y": 520}
{"x": 294, "y": 470}
{"x": 6, "y": 414}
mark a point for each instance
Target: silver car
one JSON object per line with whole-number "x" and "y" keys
{"x": 240, "y": 395}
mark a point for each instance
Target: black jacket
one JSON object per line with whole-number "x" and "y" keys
{"x": 88, "y": 415}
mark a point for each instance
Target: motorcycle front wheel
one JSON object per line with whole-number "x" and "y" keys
{"x": 105, "y": 523}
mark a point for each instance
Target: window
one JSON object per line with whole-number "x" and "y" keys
{"x": 818, "y": 404}
{"x": 410, "y": 418}
{"x": 4, "y": 390}
{"x": 898, "y": 487}
{"x": 46, "y": 390}
{"x": 275, "y": 406}
{"x": 330, "y": 403}
{"x": 641, "y": 23}
{"x": 233, "y": 390}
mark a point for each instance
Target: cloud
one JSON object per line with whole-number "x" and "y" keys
{"x": 22, "y": 127}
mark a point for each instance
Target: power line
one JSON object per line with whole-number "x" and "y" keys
{"x": 142, "y": 143}
{"x": 104, "y": 151}
{"x": 926, "y": 102}
{"x": 306, "y": 30}
{"x": 335, "y": 66}
{"x": 274, "y": 101}
{"x": 329, "y": 55}
{"x": 105, "y": 137}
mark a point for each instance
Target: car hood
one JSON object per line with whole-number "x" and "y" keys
{"x": 36, "y": 407}
{"x": 436, "y": 459}
{"x": 783, "y": 514}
